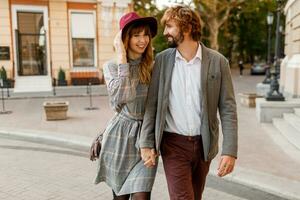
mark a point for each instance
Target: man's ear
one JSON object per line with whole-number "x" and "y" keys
{"x": 188, "y": 30}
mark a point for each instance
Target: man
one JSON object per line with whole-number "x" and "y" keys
{"x": 190, "y": 84}
{"x": 241, "y": 66}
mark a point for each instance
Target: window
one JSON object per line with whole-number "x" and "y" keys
{"x": 83, "y": 52}
{"x": 83, "y": 39}
{"x": 31, "y": 44}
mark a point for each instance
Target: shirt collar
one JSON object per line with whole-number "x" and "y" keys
{"x": 198, "y": 54}
{"x": 136, "y": 61}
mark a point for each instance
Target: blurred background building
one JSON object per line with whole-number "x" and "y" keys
{"x": 40, "y": 37}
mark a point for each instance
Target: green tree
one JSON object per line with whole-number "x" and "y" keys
{"x": 237, "y": 28}
{"x": 160, "y": 42}
{"x": 244, "y": 36}
{"x": 214, "y": 14}
{"x": 145, "y": 7}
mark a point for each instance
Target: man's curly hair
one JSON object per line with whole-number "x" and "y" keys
{"x": 184, "y": 17}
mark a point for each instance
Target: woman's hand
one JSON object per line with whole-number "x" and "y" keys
{"x": 95, "y": 149}
{"x": 149, "y": 157}
{"x": 120, "y": 49}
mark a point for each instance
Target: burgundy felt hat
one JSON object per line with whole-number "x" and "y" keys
{"x": 132, "y": 18}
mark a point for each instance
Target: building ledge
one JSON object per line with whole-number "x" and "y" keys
{"x": 267, "y": 110}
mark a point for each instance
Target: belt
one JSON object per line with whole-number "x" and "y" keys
{"x": 183, "y": 137}
{"x": 137, "y": 124}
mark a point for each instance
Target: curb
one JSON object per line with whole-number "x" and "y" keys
{"x": 278, "y": 186}
{"x": 282, "y": 187}
{"x": 78, "y": 143}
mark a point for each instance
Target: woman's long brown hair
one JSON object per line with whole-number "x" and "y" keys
{"x": 146, "y": 65}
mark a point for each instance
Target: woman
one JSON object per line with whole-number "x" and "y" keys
{"x": 127, "y": 79}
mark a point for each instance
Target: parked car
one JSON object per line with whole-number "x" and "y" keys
{"x": 258, "y": 69}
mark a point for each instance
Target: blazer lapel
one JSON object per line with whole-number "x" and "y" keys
{"x": 204, "y": 74}
{"x": 170, "y": 62}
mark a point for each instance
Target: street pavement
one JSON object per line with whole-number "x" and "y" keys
{"x": 56, "y": 165}
{"x": 37, "y": 171}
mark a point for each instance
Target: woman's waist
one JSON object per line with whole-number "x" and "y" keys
{"x": 130, "y": 116}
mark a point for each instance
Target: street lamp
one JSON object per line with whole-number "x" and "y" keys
{"x": 270, "y": 18}
{"x": 274, "y": 94}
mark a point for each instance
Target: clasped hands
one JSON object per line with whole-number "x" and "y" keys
{"x": 149, "y": 157}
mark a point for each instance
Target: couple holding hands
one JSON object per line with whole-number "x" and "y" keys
{"x": 166, "y": 108}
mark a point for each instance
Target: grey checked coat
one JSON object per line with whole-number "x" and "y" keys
{"x": 120, "y": 163}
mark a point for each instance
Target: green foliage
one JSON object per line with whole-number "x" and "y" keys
{"x": 160, "y": 42}
{"x": 61, "y": 75}
{"x": 245, "y": 33}
{"x": 242, "y": 36}
{"x": 145, "y": 7}
{"x": 3, "y": 74}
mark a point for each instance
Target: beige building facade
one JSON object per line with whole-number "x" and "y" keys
{"x": 40, "y": 37}
{"x": 290, "y": 68}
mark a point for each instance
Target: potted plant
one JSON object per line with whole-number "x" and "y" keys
{"x": 61, "y": 79}
{"x": 56, "y": 110}
{"x": 7, "y": 82}
{"x": 3, "y": 76}
{"x": 248, "y": 99}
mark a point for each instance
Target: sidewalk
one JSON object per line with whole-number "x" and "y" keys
{"x": 266, "y": 160}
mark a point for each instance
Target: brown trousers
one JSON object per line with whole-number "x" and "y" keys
{"x": 184, "y": 166}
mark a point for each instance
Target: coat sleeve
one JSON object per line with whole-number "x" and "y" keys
{"x": 227, "y": 111}
{"x": 147, "y": 137}
{"x": 120, "y": 86}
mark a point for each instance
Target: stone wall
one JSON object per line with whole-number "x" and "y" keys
{"x": 290, "y": 68}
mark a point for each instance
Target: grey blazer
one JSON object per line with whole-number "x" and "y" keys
{"x": 217, "y": 95}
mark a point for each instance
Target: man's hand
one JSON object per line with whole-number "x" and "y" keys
{"x": 148, "y": 156}
{"x": 226, "y": 165}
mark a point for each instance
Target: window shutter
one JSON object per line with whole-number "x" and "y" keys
{"x": 83, "y": 25}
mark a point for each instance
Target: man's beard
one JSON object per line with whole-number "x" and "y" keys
{"x": 175, "y": 41}
{"x": 172, "y": 44}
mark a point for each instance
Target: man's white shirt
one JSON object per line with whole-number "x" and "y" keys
{"x": 183, "y": 114}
